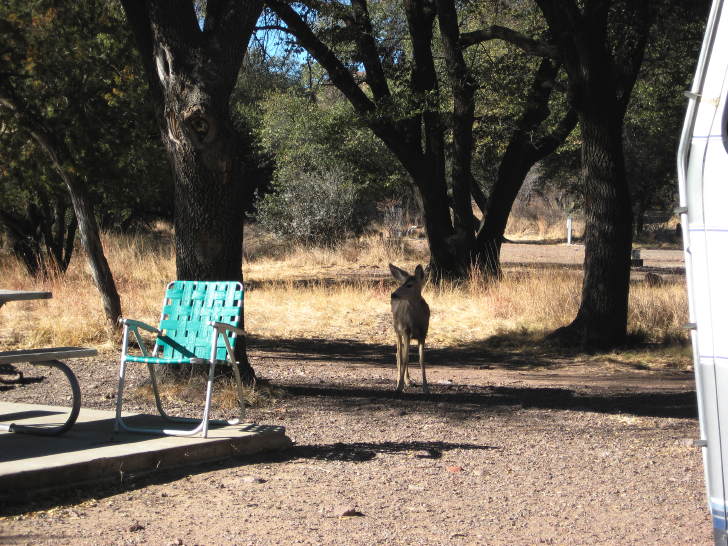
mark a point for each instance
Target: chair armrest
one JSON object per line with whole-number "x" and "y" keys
{"x": 228, "y": 327}
{"x": 139, "y": 324}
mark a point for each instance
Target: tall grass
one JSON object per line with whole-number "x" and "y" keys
{"x": 344, "y": 295}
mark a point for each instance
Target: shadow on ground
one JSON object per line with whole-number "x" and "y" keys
{"x": 471, "y": 401}
{"x": 631, "y": 390}
{"x": 512, "y": 350}
{"x": 356, "y": 452}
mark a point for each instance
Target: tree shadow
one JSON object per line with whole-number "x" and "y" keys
{"x": 502, "y": 351}
{"x": 551, "y": 242}
{"x": 471, "y": 401}
{"x": 515, "y": 350}
{"x": 366, "y": 451}
{"x": 355, "y": 452}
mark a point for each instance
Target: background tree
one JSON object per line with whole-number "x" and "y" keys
{"x": 402, "y": 103}
{"x": 657, "y": 109}
{"x": 330, "y": 170}
{"x": 35, "y": 212}
{"x": 521, "y": 115}
{"x": 47, "y": 104}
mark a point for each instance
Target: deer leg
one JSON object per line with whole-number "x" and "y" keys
{"x": 421, "y": 348}
{"x": 404, "y": 340}
{"x": 400, "y": 385}
{"x": 407, "y": 380}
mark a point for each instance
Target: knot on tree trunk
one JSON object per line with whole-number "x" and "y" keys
{"x": 200, "y": 127}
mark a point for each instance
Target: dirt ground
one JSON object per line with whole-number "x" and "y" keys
{"x": 509, "y": 448}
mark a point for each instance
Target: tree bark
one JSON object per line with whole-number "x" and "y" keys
{"x": 601, "y": 321}
{"x": 191, "y": 73}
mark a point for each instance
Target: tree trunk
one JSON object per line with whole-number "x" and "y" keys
{"x": 601, "y": 321}
{"x": 463, "y": 93}
{"x": 88, "y": 229}
{"x": 512, "y": 171}
{"x": 438, "y": 227}
{"x": 192, "y": 72}
{"x": 601, "y": 78}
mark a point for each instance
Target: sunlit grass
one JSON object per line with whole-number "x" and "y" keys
{"x": 345, "y": 296}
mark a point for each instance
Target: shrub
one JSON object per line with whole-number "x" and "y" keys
{"x": 320, "y": 207}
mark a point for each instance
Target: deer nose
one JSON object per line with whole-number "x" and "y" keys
{"x": 395, "y": 296}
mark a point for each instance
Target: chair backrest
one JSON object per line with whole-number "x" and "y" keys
{"x": 187, "y": 309}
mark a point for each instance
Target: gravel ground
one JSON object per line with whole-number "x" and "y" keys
{"x": 564, "y": 452}
{"x": 508, "y": 449}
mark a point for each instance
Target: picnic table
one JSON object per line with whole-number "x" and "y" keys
{"x": 17, "y": 295}
{"x": 44, "y": 357}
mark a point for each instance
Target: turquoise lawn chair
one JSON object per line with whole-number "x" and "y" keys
{"x": 199, "y": 325}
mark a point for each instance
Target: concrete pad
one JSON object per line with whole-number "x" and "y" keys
{"x": 91, "y": 452}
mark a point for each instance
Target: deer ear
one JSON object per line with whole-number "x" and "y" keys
{"x": 419, "y": 273}
{"x": 399, "y": 274}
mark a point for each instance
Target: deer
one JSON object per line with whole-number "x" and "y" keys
{"x": 411, "y": 319}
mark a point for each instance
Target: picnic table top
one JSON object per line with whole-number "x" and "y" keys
{"x": 45, "y": 354}
{"x": 15, "y": 295}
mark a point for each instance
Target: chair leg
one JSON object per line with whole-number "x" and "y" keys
{"x": 157, "y": 398}
{"x": 118, "y": 423}
{"x": 241, "y": 395}
{"x": 208, "y": 399}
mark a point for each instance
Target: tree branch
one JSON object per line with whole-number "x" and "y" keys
{"x": 339, "y": 74}
{"x": 548, "y": 144}
{"x": 530, "y": 45}
{"x": 367, "y": 49}
{"x": 275, "y": 27}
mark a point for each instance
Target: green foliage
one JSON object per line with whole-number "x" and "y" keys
{"x": 329, "y": 166}
{"x": 308, "y": 135}
{"x": 74, "y": 67}
{"x": 656, "y": 112}
{"x": 315, "y": 207}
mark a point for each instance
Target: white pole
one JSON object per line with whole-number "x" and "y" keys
{"x": 568, "y": 230}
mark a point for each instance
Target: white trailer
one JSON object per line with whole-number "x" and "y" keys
{"x": 703, "y": 182}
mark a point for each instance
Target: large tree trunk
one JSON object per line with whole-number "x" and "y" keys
{"x": 601, "y": 321}
{"x": 192, "y": 72}
{"x": 601, "y": 78}
{"x": 209, "y": 189}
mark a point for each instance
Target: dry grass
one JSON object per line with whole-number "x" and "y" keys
{"x": 192, "y": 389}
{"x": 544, "y": 228}
{"x": 345, "y": 296}
{"x": 74, "y": 316}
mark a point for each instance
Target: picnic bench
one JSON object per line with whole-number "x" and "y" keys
{"x": 49, "y": 357}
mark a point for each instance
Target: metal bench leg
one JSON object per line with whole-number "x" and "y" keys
{"x": 75, "y": 409}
